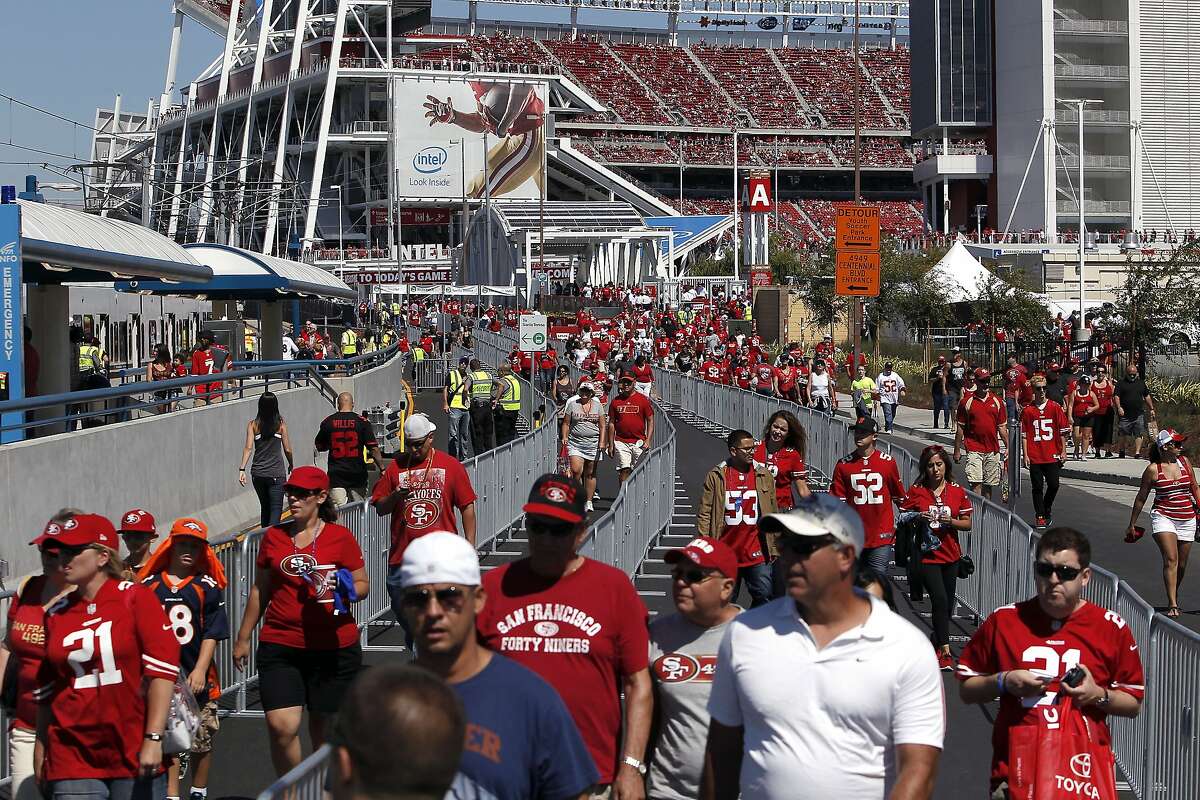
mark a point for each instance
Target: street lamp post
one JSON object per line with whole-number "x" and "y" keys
{"x": 341, "y": 237}
{"x": 1080, "y": 104}
{"x": 736, "y": 200}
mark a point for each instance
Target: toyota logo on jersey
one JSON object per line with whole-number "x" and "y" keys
{"x": 1081, "y": 765}
{"x": 422, "y": 513}
{"x": 681, "y": 668}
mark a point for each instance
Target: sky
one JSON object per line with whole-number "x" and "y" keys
{"x": 72, "y": 57}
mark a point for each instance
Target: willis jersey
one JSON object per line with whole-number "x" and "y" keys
{"x": 195, "y": 611}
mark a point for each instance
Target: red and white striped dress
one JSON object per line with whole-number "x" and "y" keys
{"x": 1173, "y": 497}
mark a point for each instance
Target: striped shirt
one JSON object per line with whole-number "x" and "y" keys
{"x": 1173, "y": 497}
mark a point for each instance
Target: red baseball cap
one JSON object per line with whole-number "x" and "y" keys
{"x": 79, "y": 531}
{"x": 137, "y": 520}
{"x": 314, "y": 479}
{"x": 982, "y": 374}
{"x": 707, "y": 553}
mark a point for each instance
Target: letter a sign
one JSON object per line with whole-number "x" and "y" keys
{"x": 758, "y": 190}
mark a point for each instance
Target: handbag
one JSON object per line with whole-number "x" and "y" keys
{"x": 966, "y": 566}
{"x": 1058, "y": 758}
{"x": 183, "y": 719}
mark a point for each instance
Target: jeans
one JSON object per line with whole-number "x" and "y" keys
{"x": 110, "y": 789}
{"x": 460, "y": 445}
{"x": 889, "y": 414}
{"x": 941, "y": 406}
{"x": 270, "y": 499}
{"x": 877, "y": 559}
{"x": 1010, "y": 405}
{"x": 396, "y": 595}
{"x": 759, "y": 582}
{"x": 939, "y": 580}
{"x": 1043, "y": 479}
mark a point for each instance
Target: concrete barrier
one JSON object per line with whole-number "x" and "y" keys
{"x": 178, "y": 464}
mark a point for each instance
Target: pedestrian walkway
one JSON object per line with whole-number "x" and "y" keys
{"x": 919, "y": 422}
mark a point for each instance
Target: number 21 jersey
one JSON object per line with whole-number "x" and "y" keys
{"x": 97, "y": 654}
{"x": 868, "y": 485}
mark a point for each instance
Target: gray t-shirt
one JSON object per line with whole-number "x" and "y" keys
{"x": 585, "y": 423}
{"x": 683, "y": 658}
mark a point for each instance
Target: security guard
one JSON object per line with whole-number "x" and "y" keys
{"x": 349, "y": 343}
{"x": 508, "y": 405}
{"x": 456, "y": 403}
{"x": 91, "y": 359}
{"x": 483, "y": 394}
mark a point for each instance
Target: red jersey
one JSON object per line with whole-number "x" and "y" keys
{"x": 27, "y": 644}
{"x": 603, "y": 347}
{"x": 210, "y": 361}
{"x": 300, "y": 613}
{"x": 786, "y": 465}
{"x": 1022, "y": 636}
{"x": 981, "y": 421}
{"x": 662, "y": 347}
{"x": 630, "y": 416}
{"x": 742, "y": 511}
{"x": 787, "y": 378}
{"x": 98, "y": 653}
{"x": 581, "y": 633}
{"x": 712, "y": 371}
{"x": 870, "y": 485}
{"x": 435, "y": 488}
{"x": 742, "y": 376}
{"x": 1014, "y": 381}
{"x": 1043, "y": 428}
{"x": 953, "y": 503}
{"x": 764, "y": 376}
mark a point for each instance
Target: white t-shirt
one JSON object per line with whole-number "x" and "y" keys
{"x": 825, "y": 723}
{"x": 889, "y": 385}
{"x": 818, "y": 384}
{"x": 289, "y": 348}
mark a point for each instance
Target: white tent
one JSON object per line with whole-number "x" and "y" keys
{"x": 961, "y": 272}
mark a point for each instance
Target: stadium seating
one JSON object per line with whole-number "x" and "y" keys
{"x": 679, "y": 82}
{"x": 896, "y": 218}
{"x": 600, "y": 73}
{"x": 825, "y": 78}
{"x": 757, "y": 83}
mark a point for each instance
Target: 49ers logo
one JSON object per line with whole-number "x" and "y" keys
{"x": 680, "y": 668}
{"x": 298, "y": 565}
{"x": 420, "y": 514}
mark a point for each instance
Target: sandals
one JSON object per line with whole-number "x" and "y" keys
{"x": 1173, "y": 612}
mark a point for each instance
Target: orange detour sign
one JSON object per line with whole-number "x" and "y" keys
{"x": 857, "y": 228}
{"x": 857, "y": 274}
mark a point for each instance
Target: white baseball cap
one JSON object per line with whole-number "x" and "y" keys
{"x": 819, "y": 515}
{"x": 439, "y": 557}
{"x": 418, "y": 426}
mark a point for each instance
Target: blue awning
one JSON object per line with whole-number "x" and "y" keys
{"x": 690, "y": 232}
{"x": 242, "y": 275}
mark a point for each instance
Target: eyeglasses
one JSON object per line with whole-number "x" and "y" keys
{"x": 1065, "y": 574}
{"x": 691, "y": 576}
{"x": 543, "y": 529}
{"x": 451, "y": 598}
{"x": 747, "y": 449}
{"x": 804, "y": 546}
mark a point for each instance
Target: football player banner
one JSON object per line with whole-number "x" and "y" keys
{"x": 1059, "y": 758}
{"x": 491, "y": 128}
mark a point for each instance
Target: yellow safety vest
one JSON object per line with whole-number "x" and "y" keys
{"x": 481, "y": 385}
{"x": 511, "y": 394}
{"x": 418, "y": 354}
{"x": 749, "y": 313}
{"x": 349, "y": 343}
{"x": 90, "y": 358}
{"x": 395, "y": 309}
{"x": 457, "y": 398}
{"x": 387, "y": 338}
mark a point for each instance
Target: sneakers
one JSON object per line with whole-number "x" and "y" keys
{"x": 1041, "y": 522}
{"x": 946, "y": 662}
{"x": 589, "y": 508}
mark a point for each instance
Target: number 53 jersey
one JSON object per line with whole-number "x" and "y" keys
{"x": 98, "y": 653}
{"x": 869, "y": 486}
{"x": 196, "y": 611}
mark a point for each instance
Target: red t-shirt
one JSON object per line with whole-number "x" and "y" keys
{"x": 954, "y": 504}
{"x": 27, "y": 643}
{"x": 581, "y": 633}
{"x": 870, "y": 485}
{"x": 787, "y": 466}
{"x": 742, "y": 376}
{"x": 1043, "y": 430}
{"x": 642, "y": 374}
{"x": 712, "y": 371}
{"x": 787, "y": 378}
{"x": 629, "y": 416}
{"x": 1014, "y": 381}
{"x": 1022, "y": 636}
{"x": 981, "y": 420}
{"x": 436, "y": 487}
{"x": 98, "y": 654}
{"x": 742, "y": 511}
{"x": 764, "y": 376}
{"x": 300, "y": 613}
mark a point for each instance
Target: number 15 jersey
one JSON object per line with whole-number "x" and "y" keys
{"x": 97, "y": 654}
{"x": 869, "y": 485}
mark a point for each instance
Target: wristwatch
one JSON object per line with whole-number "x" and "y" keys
{"x": 633, "y": 762}
{"x": 153, "y": 737}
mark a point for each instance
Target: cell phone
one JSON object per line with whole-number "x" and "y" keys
{"x": 1073, "y": 678}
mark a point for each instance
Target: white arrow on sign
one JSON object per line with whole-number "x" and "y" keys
{"x": 531, "y": 332}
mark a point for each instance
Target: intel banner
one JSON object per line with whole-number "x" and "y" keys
{"x": 491, "y": 128}
{"x": 12, "y": 331}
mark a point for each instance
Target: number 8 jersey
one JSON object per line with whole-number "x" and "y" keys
{"x": 98, "y": 653}
{"x": 869, "y": 485}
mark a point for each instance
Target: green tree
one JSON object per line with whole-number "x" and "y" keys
{"x": 1158, "y": 298}
{"x": 908, "y": 293}
{"x": 1008, "y": 303}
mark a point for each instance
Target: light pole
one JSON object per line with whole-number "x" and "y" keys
{"x": 341, "y": 239}
{"x": 736, "y": 200}
{"x": 1079, "y": 105}
{"x": 979, "y": 209}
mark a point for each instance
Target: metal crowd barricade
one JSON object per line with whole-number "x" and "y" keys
{"x": 305, "y": 781}
{"x": 1131, "y": 736}
{"x": 430, "y": 373}
{"x": 1172, "y": 744}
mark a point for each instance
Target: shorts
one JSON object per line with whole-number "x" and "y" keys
{"x": 1084, "y": 422}
{"x": 341, "y": 495}
{"x": 643, "y": 388}
{"x": 208, "y": 391}
{"x": 983, "y": 468}
{"x": 313, "y": 679}
{"x": 1132, "y": 426}
{"x": 587, "y": 453}
{"x": 210, "y": 723}
{"x": 1184, "y": 529}
{"x": 628, "y": 453}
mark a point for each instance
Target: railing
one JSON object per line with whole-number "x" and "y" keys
{"x": 362, "y": 126}
{"x": 1095, "y": 162}
{"x": 1157, "y": 752}
{"x": 1093, "y": 207}
{"x": 305, "y": 781}
{"x": 1070, "y": 115}
{"x": 1090, "y": 71}
{"x": 1090, "y": 26}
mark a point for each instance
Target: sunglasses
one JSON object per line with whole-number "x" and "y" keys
{"x": 804, "y": 546}
{"x": 691, "y": 576}
{"x": 542, "y": 529}
{"x": 451, "y": 598}
{"x": 299, "y": 493}
{"x": 1065, "y": 574}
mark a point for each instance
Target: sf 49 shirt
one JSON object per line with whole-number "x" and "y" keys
{"x": 870, "y": 485}
{"x": 98, "y": 653}
{"x": 1022, "y": 636}
{"x": 742, "y": 511}
{"x": 1043, "y": 428}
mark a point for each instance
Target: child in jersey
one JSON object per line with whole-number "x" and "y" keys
{"x": 189, "y": 581}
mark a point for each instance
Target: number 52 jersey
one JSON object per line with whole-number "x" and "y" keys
{"x": 97, "y": 654}
{"x": 869, "y": 486}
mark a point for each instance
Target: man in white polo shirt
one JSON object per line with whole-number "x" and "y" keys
{"x": 823, "y": 692}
